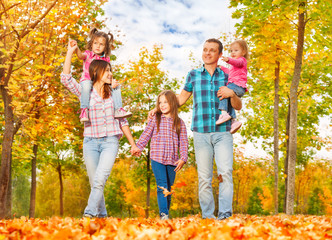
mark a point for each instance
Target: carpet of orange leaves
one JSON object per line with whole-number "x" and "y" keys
{"x": 236, "y": 227}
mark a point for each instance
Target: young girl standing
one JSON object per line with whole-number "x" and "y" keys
{"x": 98, "y": 48}
{"x": 168, "y": 136}
{"x": 102, "y": 134}
{"x": 237, "y": 81}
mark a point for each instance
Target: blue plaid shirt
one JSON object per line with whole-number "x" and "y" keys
{"x": 205, "y": 107}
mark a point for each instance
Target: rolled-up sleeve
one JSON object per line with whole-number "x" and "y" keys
{"x": 71, "y": 84}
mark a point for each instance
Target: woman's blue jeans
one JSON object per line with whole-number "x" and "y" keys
{"x": 99, "y": 157}
{"x": 165, "y": 176}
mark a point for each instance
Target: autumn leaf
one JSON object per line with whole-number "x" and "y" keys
{"x": 166, "y": 192}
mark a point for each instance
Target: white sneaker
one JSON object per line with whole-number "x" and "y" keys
{"x": 163, "y": 216}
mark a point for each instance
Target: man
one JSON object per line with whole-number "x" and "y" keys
{"x": 206, "y": 84}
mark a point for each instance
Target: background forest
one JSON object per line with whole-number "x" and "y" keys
{"x": 42, "y": 169}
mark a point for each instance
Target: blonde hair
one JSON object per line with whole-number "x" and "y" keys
{"x": 244, "y": 46}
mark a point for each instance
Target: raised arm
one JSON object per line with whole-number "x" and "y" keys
{"x": 69, "y": 56}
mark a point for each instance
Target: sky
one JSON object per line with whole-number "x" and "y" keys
{"x": 181, "y": 26}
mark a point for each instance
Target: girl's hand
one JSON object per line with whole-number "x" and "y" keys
{"x": 179, "y": 164}
{"x": 225, "y": 59}
{"x": 115, "y": 83}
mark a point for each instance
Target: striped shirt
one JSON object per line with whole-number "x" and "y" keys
{"x": 101, "y": 112}
{"x": 165, "y": 144}
{"x": 205, "y": 101}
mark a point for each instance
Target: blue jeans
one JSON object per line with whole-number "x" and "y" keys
{"x": 86, "y": 91}
{"x": 218, "y": 146}
{"x": 225, "y": 104}
{"x": 165, "y": 176}
{"x": 99, "y": 156}
{"x": 86, "y": 86}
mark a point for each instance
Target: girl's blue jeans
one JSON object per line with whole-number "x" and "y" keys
{"x": 99, "y": 156}
{"x": 225, "y": 104}
{"x": 165, "y": 176}
{"x": 86, "y": 86}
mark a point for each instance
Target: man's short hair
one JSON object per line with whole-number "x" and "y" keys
{"x": 220, "y": 47}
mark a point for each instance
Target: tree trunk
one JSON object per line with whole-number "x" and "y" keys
{"x": 286, "y": 158}
{"x": 148, "y": 186}
{"x": 293, "y": 112}
{"x": 61, "y": 189}
{"x": 276, "y": 135}
{"x": 9, "y": 192}
{"x": 33, "y": 182}
{"x": 7, "y": 143}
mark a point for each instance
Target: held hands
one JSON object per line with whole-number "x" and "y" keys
{"x": 152, "y": 113}
{"x": 179, "y": 165}
{"x": 72, "y": 45}
{"x": 135, "y": 151}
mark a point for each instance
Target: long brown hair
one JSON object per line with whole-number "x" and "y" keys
{"x": 94, "y": 33}
{"x": 173, "y": 104}
{"x": 96, "y": 70}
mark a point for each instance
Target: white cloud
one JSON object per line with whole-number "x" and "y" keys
{"x": 181, "y": 26}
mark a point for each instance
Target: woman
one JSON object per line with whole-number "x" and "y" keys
{"x": 102, "y": 133}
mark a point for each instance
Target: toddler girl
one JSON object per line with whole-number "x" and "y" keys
{"x": 98, "y": 48}
{"x": 237, "y": 81}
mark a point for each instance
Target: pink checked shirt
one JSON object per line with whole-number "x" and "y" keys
{"x": 237, "y": 72}
{"x": 90, "y": 56}
{"x": 101, "y": 112}
{"x": 166, "y": 143}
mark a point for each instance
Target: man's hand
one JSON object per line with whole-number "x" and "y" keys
{"x": 225, "y": 92}
{"x": 152, "y": 113}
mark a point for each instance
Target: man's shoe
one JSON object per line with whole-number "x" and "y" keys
{"x": 86, "y": 215}
{"x": 223, "y": 118}
{"x": 121, "y": 113}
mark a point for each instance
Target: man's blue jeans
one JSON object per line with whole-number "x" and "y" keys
{"x": 165, "y": 176}
{"x": 99, "y": 156}
{"x": 218, "y": 146}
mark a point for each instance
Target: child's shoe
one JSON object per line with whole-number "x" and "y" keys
{"x": 163, "y": 216}
{"x": 235, "y": 126}
{"x": 121, "y": 113}
{"x": 84, "y": 116}
{"x": 223, "y": 118}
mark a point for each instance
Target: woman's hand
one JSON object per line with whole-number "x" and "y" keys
{"x": 72, "y": 45}
{"x": 179, "y": 165}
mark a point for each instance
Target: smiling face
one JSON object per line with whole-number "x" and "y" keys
{"x": 211, "y": 53}
{"x": 164, "y": 105}
{"x": 98, "y": 45}
{"x": 237, "y": 51}
{"x": 107, "y": 76}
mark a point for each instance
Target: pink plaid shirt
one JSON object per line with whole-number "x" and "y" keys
{"x": 89, "y": 57}
{"x": 101, "y": 112}
{"x": 166, "y": 143}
